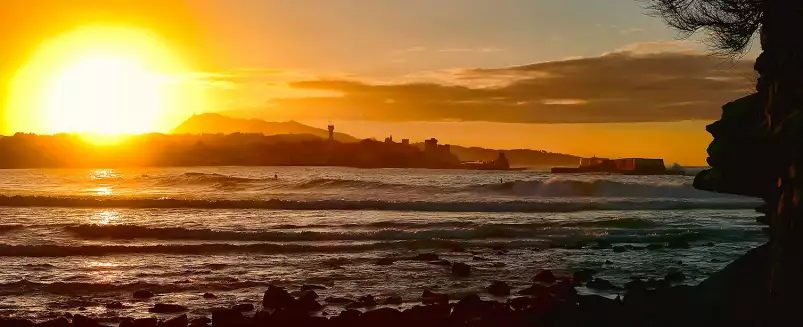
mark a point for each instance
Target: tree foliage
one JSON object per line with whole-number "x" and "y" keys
{"x": 729, "y": 25}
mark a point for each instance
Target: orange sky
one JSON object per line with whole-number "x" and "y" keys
{"x": 605, "y": 80}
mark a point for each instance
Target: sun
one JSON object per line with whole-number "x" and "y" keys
{"x": 100, "y": 80}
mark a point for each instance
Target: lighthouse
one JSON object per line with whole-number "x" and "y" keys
{"x": 331, "y": 132}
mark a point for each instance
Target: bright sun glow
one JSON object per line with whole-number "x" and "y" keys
{"x": 101, "y": 80}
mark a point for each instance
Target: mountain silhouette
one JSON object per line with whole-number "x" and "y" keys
{"x": 220, "y": 124}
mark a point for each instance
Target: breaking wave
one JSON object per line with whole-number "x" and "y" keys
{"x": 67, "y": 288}
{"x": 556, "y": 187}
{"x": 459, "y": 206}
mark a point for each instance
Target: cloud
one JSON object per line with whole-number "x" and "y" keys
{"x": 632, "y": 30}
{"x": 635, "y": 84}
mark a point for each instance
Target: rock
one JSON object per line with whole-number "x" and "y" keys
{"x": 312, "y": 287}
{"x": 545, "y": 276}
{"x": 200, "y": 322}
{"x": 114, "y": 305}
{"x": 709, "y": 244}
{"x": 13, "y": 322}
{"x": 126, "y": 322}
{"x": 498, "y": 288}
{"x": 84, "y": 321}
{"x": 441, "y": 262}
{"x": 678, "y": 244}
{"x": 675, "y": 277}
{"x": 429, "y": 297}
{"x": 659, "y": 284}
{"x": 145, "y": 322}
{"x": 608, "y": 262}
{"x": 277, "y": 298}
{"x": 229, "y": 318}
{"x": 180, "y": 321}
{"x": 337, "y": 300}
{"x": 143, "y": 294}
{"x": 603, "y": 244}
{"x": 654, "y": 247}
{"x": 601, "y": 285}
{"x": 520, "y": 303}
{"x": 392, "y": 300}
{"x": 209, "y": 296}
{"x": 367, "y": 300}
{"x": 636, "y": 286}
{"x": 81, "y": 309}
{"x": 385, "y": 261}
{"x": 307, "y": 303}
{"x": 457, "y": 249}
{"x": 426, "y": 257}
{"x": 167, "y": 308}
{"x": 346, "y": 318}
{"x": 381, "y": 317}
{"x": 243, "y": 307}
{"x": 478, "y": 258}
{"x": 563, "y": 289}
{"x": 67, "y": 315}
{"x": 619, "y": 249}
{"x": 58, "y": 322}
{"x": 535, "y": 289}
{"x": 460, "y": 269}
{"x": 583, "y": 275}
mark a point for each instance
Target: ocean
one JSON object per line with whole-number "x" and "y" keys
{"x": 77, "y": 239}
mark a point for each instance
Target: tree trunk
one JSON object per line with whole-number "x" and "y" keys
{"x": 781, "y": 86}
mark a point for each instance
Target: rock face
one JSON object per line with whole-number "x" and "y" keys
{"x": 545, "y": 276}
{"x": 277, "y": 298}
{"x": 499, "y": 288}
{"x": 460, "y": 269}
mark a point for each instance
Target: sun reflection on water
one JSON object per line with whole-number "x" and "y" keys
{"x": 104, "y": 217}
{"x": 103, "y": 190}
{"x": 103, "y": 174}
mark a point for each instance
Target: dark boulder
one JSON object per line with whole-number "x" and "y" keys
{"x": 429, "y": 297}
{"x": 13, "y": 322}
{"x": 229, "y": 318}
{"x": 675, "y": 277}
{"x": 114, "y": 305}
{"x": 346, "y": 318}
{"x": 498, "y": 288}
{"x": 636, "y": 286}
{"x": 460, "y": 269}
{"x": 243, "y": 307}
{"x": 145, "y": 322}
{"x": 654, "y": 247}
{"x": 601, "y": 285}
{"x": 200, "y": 322}
{"x": 535, "y": 289}
{"x": 337, "y": 300}
{"x": 143, "y": 294}
{"x": 209, "y": 296}
{"x": 277, "y": 298}
{"x": 84, "y": 321}
{"x": 392, "y": 300}
{"x": 126, "y": 322}
{"x": 545, "y": 276}
{"x": 167, "y": 308}
{"x": 307, "y": 302}
{"x": 520, "y": 303}
{"x": 619, "y": 249}
{"x": 381, "y": 317}
{"x": 583, "y": 275}
{"x": 58, "y": 322}
{"x": 180, "y": 321}
{"x": 385, "y": 261}
{"x": 367, "y": 300}
{"x": 309, "y": 294}
{"x": 678, "y": 244}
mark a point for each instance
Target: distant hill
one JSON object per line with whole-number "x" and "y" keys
{"x": 296, "y": 132}
{"x": 219, "y": 124}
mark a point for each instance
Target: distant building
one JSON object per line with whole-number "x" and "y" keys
{"x": 431, "y": 145}
{"x": 406, "y": 141}
{"x": 389, "y": 139}
{"x": 331, "y": 132}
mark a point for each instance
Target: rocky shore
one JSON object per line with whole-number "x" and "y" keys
{"x": 730, "y": 297}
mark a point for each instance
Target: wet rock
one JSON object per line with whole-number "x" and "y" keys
{"x": 601, "y": 285}
{"x": 619, "y": 249}
{"x": 608, "y": 262}
{"x": 583, "y": 275}
{"x": 58, "y": 322}
{"x": 709, "y": 244}
{"x": 498, "y": 288}
{"x": 498, "y": 264}
{"x": 426, "y": 257}
{"x": 145, "y": 322}
{"x": 167, "y": 308}
{"x": 81, "y": 309}
{"x": 563, "y": 289}
{"x": 603, "y": 244}
{"x": 346, "y": 318}
{"x": 381, "y": 317}
{"x": 678, "y": 244}
{"x": 12, "y": 322}
{"x": 243, "y": 307}
{"x": 367, "y": 300}
{"x": 392, "y": 300}
{"x": 114, "y": 305}
{"x": 385, "y": 261}
{"x": 429, "y": 297}
{"x": 84, "y": 321}
{"x": 312, "y": 287}
{"x": 657, "y": 284}
{"x": 460, "y": 269}
{"x": 67, "y": 315}
{"x": 209, "y": 296}
{"x": 636, "y": 286}
{"x": 307, "y": 301}
{"x": 535, "y": 289}
{"x": 520, "y": 303}
{"x": 545, "y": 276}
{"x": 478, "y": 258}
{"x": 180, "y": 321}
{"x": 277, "y": 298}
{"x": 675, "y": 277}
{"x": 126, "y": 322}
{"x": 200, "y": 322}
{"x": 229, "y": 318}
{"x": 337, "y": 300}
{"x": 143, "y": 294}
{"x": 444, "y": 263}
{"x": 654, "y": 247}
